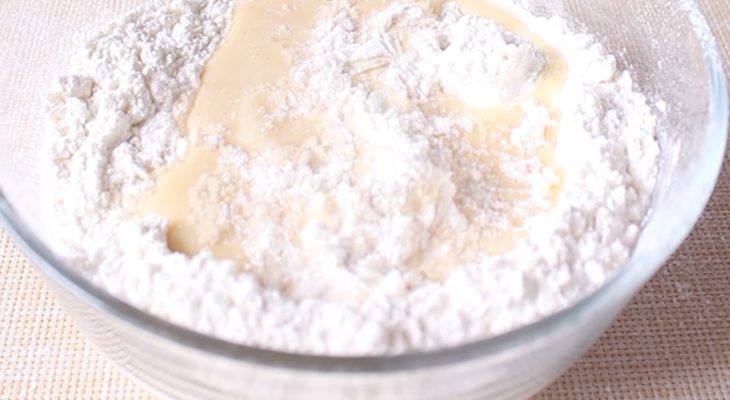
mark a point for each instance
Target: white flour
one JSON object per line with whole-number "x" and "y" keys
{"x": 370, "y": 239}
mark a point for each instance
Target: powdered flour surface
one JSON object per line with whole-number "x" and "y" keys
{"x": 397, "y": 227}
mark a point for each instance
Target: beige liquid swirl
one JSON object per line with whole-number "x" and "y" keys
{"x": 233, "y": 98}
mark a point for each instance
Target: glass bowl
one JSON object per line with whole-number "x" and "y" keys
{"x": 672, "y": 56}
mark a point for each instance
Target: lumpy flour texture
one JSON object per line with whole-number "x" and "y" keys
{"x": 418, "y": 177}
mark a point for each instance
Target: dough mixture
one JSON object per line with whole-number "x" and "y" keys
{"x": 349, "y": 176}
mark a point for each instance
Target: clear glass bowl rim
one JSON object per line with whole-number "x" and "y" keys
{"x": 97, "y": 298}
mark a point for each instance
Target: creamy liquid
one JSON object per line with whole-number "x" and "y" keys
{"x": 253, "y": 59}
{"x": 237, "y": 81}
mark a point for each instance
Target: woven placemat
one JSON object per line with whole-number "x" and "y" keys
{"x": 671, "y": 342}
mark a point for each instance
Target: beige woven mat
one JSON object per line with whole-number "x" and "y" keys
{"x": 672, "y": 342}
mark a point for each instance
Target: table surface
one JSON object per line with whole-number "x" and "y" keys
{"x": 672, "y": 341}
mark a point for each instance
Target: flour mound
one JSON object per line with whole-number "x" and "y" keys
{"x": 396, "y": 229}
